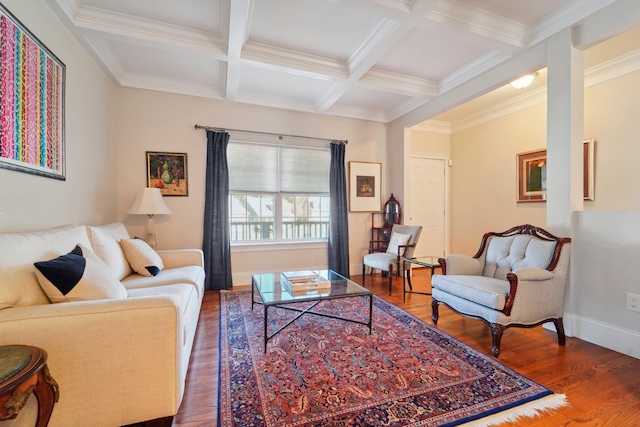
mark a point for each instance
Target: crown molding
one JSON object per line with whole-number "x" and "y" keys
{"x": 371, "y": 49}
{"x": 435, "y": 126}
{"x": 601, "y": 73}
{"x": 480, "y": 22}
{"x": 625, "y": 64}
{"x": 567, "y": 16}
{"x": 472, "y": 69}
{"x": 404, "y": 108}
{"x": 301, "y": 63}
{"x": 400, "y": 83}
{"x": 70, "y": 8}
{"x": 106, "y": 57}
{"x": 167, "y": 85}
{"x": 104, "y": 21}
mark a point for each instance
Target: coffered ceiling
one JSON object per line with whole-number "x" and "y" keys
{"x": 369, "y": 59}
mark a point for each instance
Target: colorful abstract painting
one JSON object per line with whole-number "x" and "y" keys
{"x": 31, "y": 102}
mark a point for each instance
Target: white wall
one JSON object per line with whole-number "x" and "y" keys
{"x": 31, "y": 202}
{"x": 149, "y": 121}
{"x": 606, "y": 245}
{"x": 483, "y": 177}
{"x": 606, "y": 236}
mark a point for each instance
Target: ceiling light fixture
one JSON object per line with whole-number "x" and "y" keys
{"x": 524, "y": 81}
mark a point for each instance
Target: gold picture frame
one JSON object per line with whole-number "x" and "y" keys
{"x": 168, "y": 172}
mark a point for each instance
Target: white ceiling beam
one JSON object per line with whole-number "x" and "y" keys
{"x": 101, "y": 20}
{"x": 238, "y": 29}
{"x": 621, "y": 16}
{"x": 381, "y": 40}
{"x": 532, "y": 59}
{"x": 479, "y": 26}
{"x": 567, "y": 16}
{"x": 399, "y": 83}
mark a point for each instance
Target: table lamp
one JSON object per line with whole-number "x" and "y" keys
{"x": 149, "y": 202}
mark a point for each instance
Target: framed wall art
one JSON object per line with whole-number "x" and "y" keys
{"x": 32, "y": 85}
{"x": 532, "y": 174}
{"x": 364, "y": 186}
{"x": 168, "y": 172}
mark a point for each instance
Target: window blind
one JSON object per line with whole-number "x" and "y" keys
{"x": 277, "y": 169}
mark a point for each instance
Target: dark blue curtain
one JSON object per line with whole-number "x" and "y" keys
{"x": 216, "y": 244}
{"x": 339, "y": 222}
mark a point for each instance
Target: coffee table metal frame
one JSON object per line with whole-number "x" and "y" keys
{"x": 336, "y": 292}
{"x": 430, "y": 262}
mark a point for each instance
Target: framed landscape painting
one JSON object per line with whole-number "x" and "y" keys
{"x": 32, "y": 81}
{"x": 168, "y": 172}
{"x": 364, "y": 186}
{"x": 531, "y": 171}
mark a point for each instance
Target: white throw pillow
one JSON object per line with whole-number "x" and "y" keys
{"x": 79, "y": 275}
{"x": 143, "y": 259}
{"x": 397, "y": 239}
{"x": 106, "y": 244}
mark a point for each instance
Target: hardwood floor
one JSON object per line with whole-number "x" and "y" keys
{"x": 602, "y": 386}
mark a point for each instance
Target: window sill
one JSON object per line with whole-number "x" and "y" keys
{"x": 240, "y": 247}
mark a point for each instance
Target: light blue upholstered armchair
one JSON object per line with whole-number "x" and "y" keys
{"x": 517, "y": 278}
{"x": 402, "y": 242}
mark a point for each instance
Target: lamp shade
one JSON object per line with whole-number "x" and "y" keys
{"x": 149, "y": 202}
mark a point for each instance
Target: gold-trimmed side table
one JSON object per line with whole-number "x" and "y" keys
{"x": 23, "y": 370}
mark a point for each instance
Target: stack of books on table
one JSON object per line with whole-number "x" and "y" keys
{"x": 301, "y": 282}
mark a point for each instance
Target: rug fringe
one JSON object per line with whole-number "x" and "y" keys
{"x": 529, "y": 410}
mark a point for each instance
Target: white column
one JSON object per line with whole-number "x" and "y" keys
{"x": 565, "y": 128}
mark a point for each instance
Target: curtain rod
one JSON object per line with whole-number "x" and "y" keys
{"x": 279, "y": 135}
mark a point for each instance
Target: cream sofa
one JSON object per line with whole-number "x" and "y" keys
{"x": 117, "y": 361}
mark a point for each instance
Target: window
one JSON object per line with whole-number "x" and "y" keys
{"x": 278, "y": 192}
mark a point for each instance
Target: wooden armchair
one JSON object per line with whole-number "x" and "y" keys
{"x": 402, "y": 242}
{"x": 517, "y": 278}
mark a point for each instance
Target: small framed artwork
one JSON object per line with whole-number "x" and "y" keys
{"x": 364, "y": 186}
{"x": 32, "y": 102}
{"x": 168, "y": 172}
{"x": 532, "y": 174}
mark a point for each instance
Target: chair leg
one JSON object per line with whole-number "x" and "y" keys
{"x": 390, "y": 277}
{"x": 496, "y": 336}
{"x": 364, "y": 267}
{"x": 434, "y": 311}
{"x": 560, "y": 330}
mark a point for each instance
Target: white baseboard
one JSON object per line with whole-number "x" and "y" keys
{"x": 610, "y": 336}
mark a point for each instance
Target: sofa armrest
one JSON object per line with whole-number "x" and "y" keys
{"x": 462, "y": 265}
{"x": 533, "y": 274}
{"x": 125, "y": 352}
{"x": 181, "y": 257}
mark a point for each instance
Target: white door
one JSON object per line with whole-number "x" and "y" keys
{"x": 427, "y": 204}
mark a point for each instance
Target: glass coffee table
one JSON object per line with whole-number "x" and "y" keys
{"x": 427, "y": 261}
{"x": 274, "y": 294}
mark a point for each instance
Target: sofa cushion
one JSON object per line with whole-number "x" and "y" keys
{"x": 142, "y": 258}
{"x": 187, "y": 298}
{"x": 191, "y": 274}
{"x": 106, "y": 244}
{"x": 18, "y": 252}
{"x": 505, "y": 254}
{"x": 79, "y": 275}
{"x": 397, "y": 239}
{"x": 486, "y": 291}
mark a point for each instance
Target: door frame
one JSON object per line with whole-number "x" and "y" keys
{"x": 447, "y": 181}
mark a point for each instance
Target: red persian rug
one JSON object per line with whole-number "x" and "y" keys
{"x": 325, "y": 372}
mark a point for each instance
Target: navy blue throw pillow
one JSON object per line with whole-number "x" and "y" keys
{"x": 65, "y": 271}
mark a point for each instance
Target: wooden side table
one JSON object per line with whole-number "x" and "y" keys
{"x": 23, "y": 370}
